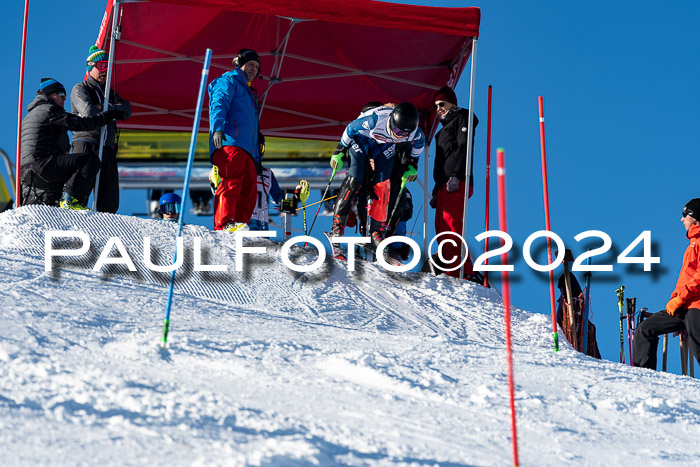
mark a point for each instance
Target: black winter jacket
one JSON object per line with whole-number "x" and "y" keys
{"x": 87, "y": 99}
{"x": 451, "y": 147}
{"x": 44, "y": 129}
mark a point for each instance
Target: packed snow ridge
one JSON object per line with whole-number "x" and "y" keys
{"x": 272, "y": 367}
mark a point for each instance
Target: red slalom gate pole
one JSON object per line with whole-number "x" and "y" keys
{"x": 548, "y": 226}
{"x": 503, "y": 225}
{"x": 21, "y": 96}
{"x": 488, "y": 185}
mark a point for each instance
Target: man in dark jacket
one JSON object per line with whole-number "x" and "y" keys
{"x": 87, "y": 99}
{"x": 47, "y": 170}
{"x": 449, "y": 174}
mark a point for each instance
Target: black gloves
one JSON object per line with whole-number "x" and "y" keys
{"x": 113, "y": 115}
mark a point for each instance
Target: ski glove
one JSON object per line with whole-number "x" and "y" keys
{"x": 673, "y": 306}
{"x": 410, "y": 175}
{"x": 337, "y": 161}
{"x": 113, "y": 115}
{"x": 304, "y": 191}
{"x": 433, "y": 202}
{"x": 218, "y": 139}
{"x": 452, "y": 184}
{"x": 214, "y": 179}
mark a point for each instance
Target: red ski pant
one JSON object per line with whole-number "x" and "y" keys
{"x": 238, "y": 191}
{"x": 449, "y": 214}
{"x": 380, "y": 207}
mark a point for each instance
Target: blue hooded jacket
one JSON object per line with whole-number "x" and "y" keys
{"x": 233, "y": 109}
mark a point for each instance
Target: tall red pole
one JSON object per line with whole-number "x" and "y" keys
{"x": 18, "y": 188}
{"x": 548, "y": 226}
{"x": 488, "y": 184}
{"x": 503, "y": 225}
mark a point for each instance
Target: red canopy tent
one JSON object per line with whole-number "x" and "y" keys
{"x": 321, "y": 60}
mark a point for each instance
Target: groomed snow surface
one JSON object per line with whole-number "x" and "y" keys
{"x": 272, "y": 367}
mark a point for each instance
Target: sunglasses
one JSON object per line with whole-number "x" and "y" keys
{"x": 102, "y": 65}
{"x": 688, "y": 212}
{"x": 439, "y": 104}
{"x": 170, "y": 208}
{"x": 61, "y": 94}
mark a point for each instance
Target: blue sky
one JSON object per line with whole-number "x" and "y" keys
{"x": 621, "y": 106}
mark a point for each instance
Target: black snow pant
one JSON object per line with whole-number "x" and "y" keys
{"x": 108, "y": 191}
{"x": 646, "y": 338}
{"x": 75, "y": 172}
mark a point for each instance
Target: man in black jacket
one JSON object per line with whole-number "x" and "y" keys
{"x": 47, "y": 170}
{"x": 87, "y": 99}
{"x": 449, "y": 174}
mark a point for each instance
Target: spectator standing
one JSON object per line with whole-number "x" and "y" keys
{"x": 449, "y": 174}
{"x": 233, "y": 143}
{"x": 87, "y": 98}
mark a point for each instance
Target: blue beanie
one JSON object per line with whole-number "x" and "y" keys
{"x": 49, "y": 85}
{"x": 95, "y": 55}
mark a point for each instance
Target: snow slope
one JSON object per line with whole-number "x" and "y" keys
{"x": 273, "y": 367}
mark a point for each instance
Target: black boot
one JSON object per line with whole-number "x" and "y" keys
{"x": 343, "y": 204}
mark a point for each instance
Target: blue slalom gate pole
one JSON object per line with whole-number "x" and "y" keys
{"x": 185, "y": 187}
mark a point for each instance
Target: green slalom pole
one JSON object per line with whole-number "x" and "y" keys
{"x": 185, "y": 188}
{"x": 620, "y": 303}
{"x": 325, "y": 193}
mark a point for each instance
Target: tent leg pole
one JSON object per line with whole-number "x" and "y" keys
{"x": 470, "y": 143}
{"x": 105, "y": 106}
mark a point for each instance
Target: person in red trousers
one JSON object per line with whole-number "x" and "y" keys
{"x": 449, "y": 174}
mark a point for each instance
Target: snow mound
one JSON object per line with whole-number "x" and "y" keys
{"x": 271, "y": 367}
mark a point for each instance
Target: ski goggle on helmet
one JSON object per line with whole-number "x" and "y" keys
{"x": 403, "y": 120}
{"x": 170, "y": 203}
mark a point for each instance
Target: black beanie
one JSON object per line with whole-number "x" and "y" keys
{"x": 692, "y": 209}
{"x": 49, "y": 85}
{"x": 244, "y": 56}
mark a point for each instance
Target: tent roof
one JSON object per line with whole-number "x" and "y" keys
{"x": 320, "y": 63}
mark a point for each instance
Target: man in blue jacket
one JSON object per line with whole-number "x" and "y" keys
{"x": 233, "y": 145}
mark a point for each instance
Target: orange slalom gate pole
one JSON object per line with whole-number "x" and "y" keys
{"x": 548, "y": 226}
{"x": 503, "y": 225}
{"x": 488, "y": 184}
{"x": 18, "y": 185}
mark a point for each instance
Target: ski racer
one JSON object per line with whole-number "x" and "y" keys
{"x": 683, "y": 309}
{"x": 374, "y": 137}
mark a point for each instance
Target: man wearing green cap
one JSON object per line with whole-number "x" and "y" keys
{"x": 87, "y": 98}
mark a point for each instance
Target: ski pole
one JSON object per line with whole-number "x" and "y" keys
{"x": 303, "y": 196}
{"x": 185, "y": 187}
{"x": 620, "y": 302}
{"x": 586, "y": 308}
{"x": 325, "y": 193}
{"x": 396, "y": 203}
{"x": 488, "y": 185}
{"x": 631, "y": 310}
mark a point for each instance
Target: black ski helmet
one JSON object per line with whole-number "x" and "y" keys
{"x": 403, "y": 120}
